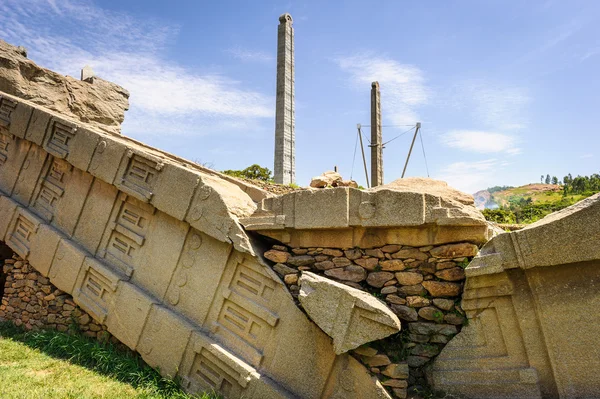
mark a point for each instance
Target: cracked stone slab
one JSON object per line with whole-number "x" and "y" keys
{"x": 350, "y": 316}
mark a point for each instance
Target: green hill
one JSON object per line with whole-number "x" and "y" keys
{"x": 529, "y": 203}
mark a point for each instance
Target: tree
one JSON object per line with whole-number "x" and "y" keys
{"x": 554, "y": 180}
{"x": 547, "y": 179}
{"x": 255, "y": 172}
{"x": 541, "y": 178}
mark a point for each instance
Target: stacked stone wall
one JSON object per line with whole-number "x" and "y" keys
{"x": 422, "y": 285}
{"x": 31, "y": 301}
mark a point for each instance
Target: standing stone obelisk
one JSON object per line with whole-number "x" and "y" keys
{"x": 376, "y": 138}
{"x": 285, "y": 124}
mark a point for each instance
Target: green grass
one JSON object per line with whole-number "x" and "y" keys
{"x": 50, "y": 364}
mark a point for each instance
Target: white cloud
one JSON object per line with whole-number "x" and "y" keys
{"x": 470, "y": 176}
{"x": 165, "y": 97}
{"x": 480, "y": 141}
{"x": 247, "y": 55}
{"x": 493, "y": 105}
{"x": 585, "y": 156}
{"x": 402, "y": 86}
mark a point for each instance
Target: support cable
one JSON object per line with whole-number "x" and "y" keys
{"x": 423, "y": 147}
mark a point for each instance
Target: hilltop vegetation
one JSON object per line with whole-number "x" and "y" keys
{"x": 530, "y": 203}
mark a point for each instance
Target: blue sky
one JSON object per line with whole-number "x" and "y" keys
{"x": 505, "y": 90}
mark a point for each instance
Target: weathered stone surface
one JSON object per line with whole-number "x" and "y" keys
{"x": 410, "y": 253}
{"x": 392, "y": 265}
{"x": 442, "y": 288}
{"x": 405, "y": 312}
{"x": 368, "y": 263}
{"x": 349, "y": 316}
{"x": 454, "y": 274}
{"x": 409, "y": 278}
{"x": 395, "y": 299}
{"x": 377, "y": 360}
{"x": 277, "y": 256}
{"x": 325, "y": 265}
{"x": 378, "y": 279}
{"x": 350, "y": 273}
{"x": 282, "y": 269}
{"x": 100, "y": 104}
{"x": 301, "y": 260}
{"x": 523, "y": 294}
{"x": 425, "y": 350}
{"x": 444, "y": 304}
{"x": 327, "y": 179}
{"x": 396, "y": 370}
{"x": 428, "y": 186}
{"x": 454, "y": 251}
{"x": 431, "y": 313}
{"x": 420, "y": 219}
{"x": 432, "y": 328}
{"x": 417, "y": 301}
{"x": 412, "y": 290}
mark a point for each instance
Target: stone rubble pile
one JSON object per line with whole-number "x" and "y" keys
{"x": 31, "y": 301}
{"x": 421, "y": 285}
{"x": 331, "y": 179}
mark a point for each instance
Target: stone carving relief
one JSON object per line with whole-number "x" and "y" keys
{"x": 52, "y": 188}
{"x": 140, "y": 175}
{"x": 61, "y": 135}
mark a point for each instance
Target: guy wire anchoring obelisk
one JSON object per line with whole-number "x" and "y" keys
{"x": 285, "y": 137}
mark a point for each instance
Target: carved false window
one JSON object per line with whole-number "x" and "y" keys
{"x": 52, "y": 188}
{"x": 6, "y": 108}
{"x": 208, "y": 371}
{"x": 21, "y": 235}
{"x": 128, "y": 234}
{"x": 5, "y": 141}
{"x": 140, "y": 176}
{"x": 96, "y": 289}
{"x": 60, "y": 138}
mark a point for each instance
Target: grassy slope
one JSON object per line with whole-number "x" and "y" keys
{"x": 51, "y": 364}
{"x": 539, "y": 193}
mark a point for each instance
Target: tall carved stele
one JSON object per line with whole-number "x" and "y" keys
{"x": 285, "y": 125}
{"x": 376, "y": 139}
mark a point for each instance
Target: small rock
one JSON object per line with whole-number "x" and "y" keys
{"x": 410, "y": 253}
{"x": 417, "y": 361}
{"x": 409, "y": 278}
{"x": 376, "y": 253}
{"x": 412, "y": 290}
{"x": 425, "y": 350}
{"x": 444, "y": 304}
{"x": 84, "y": 319}
{"x": 404, "y": 312}
{"x": 351, "y": 273}
{"x": 426, "y": 249}
{"x": 301, "y": 260}
{"x": 389, "y": 290}
{"x": 419, "y": 338}
{"x": 454, "y": 274}
{"x": 432, "y": 328}
{"x": 395, "y": 299}
{"x": 341, "y": 262}
{"x": 365, "y": 351}
{"x": 439, "y": 339}
{"x": 300, "y": 251}
{"x": 377, "y": 279}
{"x": 368, "y": 263}
{"x": 395, "y": 383}
{"x": 396, "y": 370}
{"x": 431, "y": 313}
{"x": 290, "y": 279}
{"x": 283, "y": 270}
{"x": 377, "y": 360}
{"x": 444, "y": 265}
{"x": 391, "y": 248}
{"x": 392, "y": 265}
{"x": 332, "y": 252}
{"x": 280, "y": 248}
{"x": 417, "y": 301}
{"x": 326, "y": 265}
{"x": 49, "y": 297}
{"x": 353, "y": 253}
{"x": 321, "y": 258}
{"x": 453, "y": 318}
{"x": 454, "y": 251}
{"x": 442, "y": 288}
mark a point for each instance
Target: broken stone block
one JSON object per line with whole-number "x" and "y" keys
{"x": 349, "y": 316}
